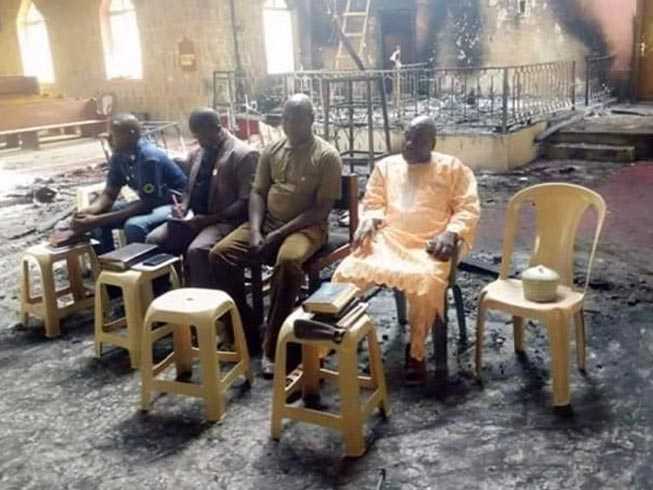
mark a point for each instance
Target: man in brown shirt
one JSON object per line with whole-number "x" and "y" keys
{"x": 215, "y": 201}
{"x": 297, "y": 183}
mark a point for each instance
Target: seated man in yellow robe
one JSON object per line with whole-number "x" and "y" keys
{"x": 417, "y": 207}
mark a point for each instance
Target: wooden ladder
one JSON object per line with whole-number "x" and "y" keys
{"x": 354, "y": 27}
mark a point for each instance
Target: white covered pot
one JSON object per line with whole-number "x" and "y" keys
{"x": 540, "y": 284}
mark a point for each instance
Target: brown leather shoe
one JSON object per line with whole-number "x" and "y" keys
{"x": 414, "y": 370}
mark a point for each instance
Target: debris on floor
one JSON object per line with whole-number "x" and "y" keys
{"x": 68, "y": 419}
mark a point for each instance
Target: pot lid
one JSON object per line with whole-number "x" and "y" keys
{"x": 540, "y": 273}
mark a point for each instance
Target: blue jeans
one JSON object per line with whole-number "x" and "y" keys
{"x": 136, "y": 228}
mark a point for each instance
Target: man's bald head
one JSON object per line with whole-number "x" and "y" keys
{"x": 419, "y": 140}
{"x": 298, "y": 117}
{"x": 125, "y": 122}
{"x": 300, "y": 103}
{"x": 203, "y": 117}
{"x": 424, "y": 124}
{"x": 205, "y": 125}
{"x": 125, "y": 132}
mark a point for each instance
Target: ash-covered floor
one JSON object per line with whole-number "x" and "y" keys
{"x": 68, "y": 420}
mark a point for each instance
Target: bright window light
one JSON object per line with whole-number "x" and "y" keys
{"x": 122, "y": 44}
{"x": 279, "y": 45}
{"x": 35, "y": 45}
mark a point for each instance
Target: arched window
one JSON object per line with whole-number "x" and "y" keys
{"x": 122, "y": 44}
{"x": 279, "y": 45}
{"x": 34, "y": 43}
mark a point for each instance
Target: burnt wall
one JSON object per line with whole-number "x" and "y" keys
{"x": 533, "y": 32}
{"x": 615, "y": 19}
{"x": 458, "y": 27}
{"x": 506, "y": 32}
{"x": 577, "y": 23}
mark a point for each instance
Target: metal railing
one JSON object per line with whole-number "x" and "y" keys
{"x": 597, "y": 78}
{"x": 351, "y": 116}
{"x": 495, "y": 99}
{"x": 535, "y": 91}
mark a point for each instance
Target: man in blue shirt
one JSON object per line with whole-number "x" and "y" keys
{"x": 144, "y": 168}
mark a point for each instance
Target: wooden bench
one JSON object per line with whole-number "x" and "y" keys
{"x": 28, "y": 138}
{"x": 26, "y": 113}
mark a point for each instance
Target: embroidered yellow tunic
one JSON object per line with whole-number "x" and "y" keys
{"x": 416, "y": 202}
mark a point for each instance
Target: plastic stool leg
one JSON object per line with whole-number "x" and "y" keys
{"x": 211, "y": 377}
{"x": 52, "y": 328}
{"x": 134, "y": 313}
{"x": 241, "y": 345}
{"x": 25, "y": 291}
{"x": 310, "y": 371}
{"x": 147, "y": 375}
{"x": 183, "y": 350}
{"x": 101, "y": 302}
{"x": 376, "y": 371}
{"x": 352, "y": 420}
{"x": 279, "y": 386}
{"x": 75, "y": 277}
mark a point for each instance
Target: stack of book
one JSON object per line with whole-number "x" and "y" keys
{"x": 65, "y": 237}
{"x": 336, "y": 304}
{"x": 124, "y": 258}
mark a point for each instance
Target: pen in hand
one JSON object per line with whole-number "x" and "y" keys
{"x": 177, "y": 211}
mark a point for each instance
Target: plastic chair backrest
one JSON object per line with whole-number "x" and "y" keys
{"x": 559, "y": 209}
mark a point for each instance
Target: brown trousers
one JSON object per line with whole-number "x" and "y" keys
{"x": 231, "y": 254}
{"x": 178, "y": 239}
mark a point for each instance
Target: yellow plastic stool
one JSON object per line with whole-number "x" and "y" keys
{"x": 46, "y": 305}
{"x": 173, "y": 314}
{"x": 137, "y": 293}
{"x": 352, "y": 414}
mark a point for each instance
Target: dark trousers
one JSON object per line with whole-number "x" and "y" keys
{"x": 178, "y": 239}
{"x": 231, "y": 254}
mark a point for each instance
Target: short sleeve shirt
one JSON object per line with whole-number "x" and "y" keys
{"x": 296, "y": 179}
{"x": 148, "y": 171}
